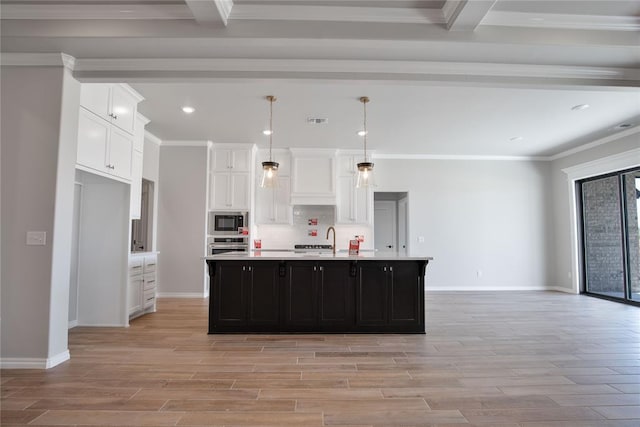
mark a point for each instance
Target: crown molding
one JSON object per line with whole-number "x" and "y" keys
{"x": 596, "y": 143}
{"x": 388, "y": 156}
{"x": 337, "y": 14}
{"x": 460, "y": 70}
{"x": 563, "y": 21}
{"x": 132, "y": 92}
{"x": 148, "y": 136}
{"x": 224, "y": 8}
{"x": 619, "y": 161}
{"x": 93, "y": 11}
{"x": 144, "y": 119}
{"x": 9, "y": 59}
{"x": 175, "y": 143}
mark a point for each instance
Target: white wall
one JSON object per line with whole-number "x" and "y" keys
{"x": 481, "y": 216}
{"x": 561, "y": 227}
{"x": 39, "y": 134}
{"x": 182, "y": 211}
{"x": 103, "y": 251}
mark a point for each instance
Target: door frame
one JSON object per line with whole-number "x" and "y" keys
{"x": 620, "y": 161}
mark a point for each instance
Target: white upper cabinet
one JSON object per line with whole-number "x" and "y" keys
{"x": 230, "y": 178}
{"x": 313, "y": 177}
{"x": 106, "y": 129}
{"x": 229, "y": 160}
{"x": 229, "y": 192}
{"x": 114, "y": 103}
{"x": 102, "y": 148}
{"x": 273, "y": 205}
{"x": 355, "y": 205}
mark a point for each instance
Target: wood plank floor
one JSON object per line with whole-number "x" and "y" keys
{"x": 528, "y": 359}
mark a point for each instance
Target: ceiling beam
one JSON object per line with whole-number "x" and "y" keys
{"x": 210, "y": 11}
{"x": 466, "y": 15}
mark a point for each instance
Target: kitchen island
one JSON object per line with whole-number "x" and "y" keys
{"x": 278, "y": 292}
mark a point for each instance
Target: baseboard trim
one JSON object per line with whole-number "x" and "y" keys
{"x": 561, "y": 289}
{"x": 72, "y": 324}
{"x": 483, "y": 288}
{"x": 34, "y": 362}
{"x": 181, "y": 295}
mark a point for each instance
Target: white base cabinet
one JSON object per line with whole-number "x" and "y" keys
{"x": 142, "y": 284}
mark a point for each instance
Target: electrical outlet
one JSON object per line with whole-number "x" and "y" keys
{"x": 420, "y": 239}
{"x": 36, "y": 238}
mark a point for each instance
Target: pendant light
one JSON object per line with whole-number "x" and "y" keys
{"x": 365, "y": 168}
{"x": 270, "y": 168}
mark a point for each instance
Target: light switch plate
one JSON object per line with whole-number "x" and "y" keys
{"x": 36, "y": 238}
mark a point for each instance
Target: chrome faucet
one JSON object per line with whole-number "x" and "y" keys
{"x": 334, "y": 238}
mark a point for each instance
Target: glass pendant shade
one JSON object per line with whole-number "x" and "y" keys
{"x": 365, "y": 175}
{"x": 269, "y": 174}
{"x": 365, "y": 168}
{"x": 270, "y": 168}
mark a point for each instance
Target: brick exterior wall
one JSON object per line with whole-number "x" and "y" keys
{"x": 633, "y": 233}
{"x": 603, "y": 235}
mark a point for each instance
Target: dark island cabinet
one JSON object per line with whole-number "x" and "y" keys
{"x": 341, "y": 296}
{"x": 390, "y": 296}
{"x": 318, "y": 296}
{"x": 244, "y": 296}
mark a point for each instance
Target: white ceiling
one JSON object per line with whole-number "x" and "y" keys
{"x": 444, "y": 78}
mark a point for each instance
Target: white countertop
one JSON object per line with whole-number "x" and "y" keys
{"x": 288, "y": 255}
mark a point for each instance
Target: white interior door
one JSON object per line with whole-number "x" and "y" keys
{"x": 402, "y": 226}
{"x": 385, "y": 226}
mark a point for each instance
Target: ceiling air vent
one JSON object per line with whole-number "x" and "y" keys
{"x": 317, "y": 120}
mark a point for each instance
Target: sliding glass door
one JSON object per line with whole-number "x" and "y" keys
{"x": 610, "y": 235}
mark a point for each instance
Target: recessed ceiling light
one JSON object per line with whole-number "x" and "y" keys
{"x": 267, "y": 132}
{"x": 188, "y": 110}
{"x": 580, "y": 107}
{"x": 516, "y": 138}
{"x": 624, "y": 126}
{"x": 362, "y": 133}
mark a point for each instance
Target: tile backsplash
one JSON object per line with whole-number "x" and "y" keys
{"x": 309, "y": 226}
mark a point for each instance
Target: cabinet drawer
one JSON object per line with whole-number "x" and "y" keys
{"x": 150, "y": 264}
{"x": 149, "y": 282}
{"x": 135, "y": 266}
{"x": 149, "y": 298}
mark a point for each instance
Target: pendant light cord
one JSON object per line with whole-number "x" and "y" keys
{"x": 364, "y": 103}
{"x": 270, "y": 125}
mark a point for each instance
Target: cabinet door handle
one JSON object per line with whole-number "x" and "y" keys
{"x": 390, "y": 268}
{"x": 321, "y": 268}
{"x": 250, "y": 268}
{"x": 150, "y": 281}
{"x": 137, "y": 266}
{"x": 244, "y": 268}
{"x": 384, "y": 268}
{"x": 315, "y": 268}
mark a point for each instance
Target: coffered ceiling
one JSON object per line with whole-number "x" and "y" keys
{"x": 479, "y": 77}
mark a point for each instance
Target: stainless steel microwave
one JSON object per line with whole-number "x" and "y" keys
{"x": 226, "y": 222}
